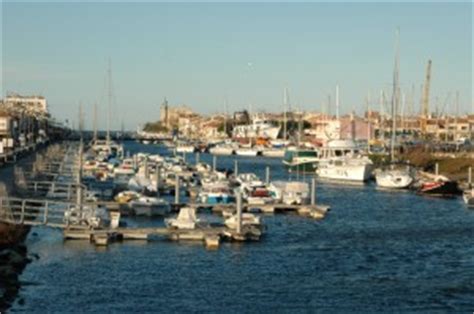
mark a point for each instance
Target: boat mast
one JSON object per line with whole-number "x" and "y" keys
{"x": 382, "y": 117}
{"x": 368, "y": 121}
{"x": 95, "y": 123}
{"x": 225, "y": 117}
{"x": 337, "y": 102}
{"x": 285, "y": 108}
{"x": 395, "y": 95}
{"x": 109, "y": 104}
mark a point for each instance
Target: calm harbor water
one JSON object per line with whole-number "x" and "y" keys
{"x": 375, "y": 251}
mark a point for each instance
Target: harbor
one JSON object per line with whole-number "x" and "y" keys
{"x": 368, "y": 233}
{"x": 245, "y": 157}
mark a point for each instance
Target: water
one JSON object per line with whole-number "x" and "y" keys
{"x": 375, "y": 251}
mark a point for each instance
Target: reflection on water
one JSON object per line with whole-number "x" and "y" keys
{"x": 375, "y": 251}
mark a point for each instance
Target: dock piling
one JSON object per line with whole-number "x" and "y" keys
{"x": 239, "y": 212}
{"x": 198, "y": 158}
{"x": 267, "y": 175}
{"x": 147, "y": 174}
{"x": 236, "y": 167}
{"x": 470, "y": 177}
{"x": 313, "y": 191}
{"x": 437, "y": 169}
{"x": 176, "y": 191}
{"x": 157, "y": 177}
{"x": 214, "y": 163}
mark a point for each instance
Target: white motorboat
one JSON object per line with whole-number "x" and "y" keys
{"x": 185, "y": 149}
{"x": 249, "y": 152}
{"x": 273, "y": 152}
{"x": 248, "y": 219}
{"x": 150, "y": 206}
{"x": 393, "y": 178}
{"x": 222, "y": 150}
{"x": 342, "y": 160}
{"x": 186, "y": 219}
{"x": 291, "y": 193}
{"x": 126, "y": 167}
{"x": 468, "y": 197}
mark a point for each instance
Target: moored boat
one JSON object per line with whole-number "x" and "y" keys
{"x": 301, "y": 160}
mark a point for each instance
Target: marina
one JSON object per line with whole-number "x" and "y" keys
{"x": 383, "y": 224}
{"x": 163, "y": 157}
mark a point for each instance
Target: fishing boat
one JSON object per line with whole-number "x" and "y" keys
{"x": 301, "y": 160}
{"x": 342, "y": 160}
{"x": 150, "y": 206}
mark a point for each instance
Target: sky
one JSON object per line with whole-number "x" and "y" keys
{"x": 245, "y": 54}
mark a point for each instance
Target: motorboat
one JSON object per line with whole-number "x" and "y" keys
{"x": 150, "y": 206}
{"x": 185, "y": 148}
{"x": 273, "y": 152}
{"x": 248, "y": 219}
{"x": 301, "y": 160}
{"x": 94, "y": 217}
{"x": 223, "y": 150}
{"x": 342, "y": 160}
{"x": 126, "y": 167}
{"x": 126, "y": 197}
{"x": 248, "y": 152}
{"x": 186, "y": 219}
{"x": 468, "y": 197}
{"x": 291, "y": 193}
{"x": 438, "y": 185}
{"x": 216, "y": 195}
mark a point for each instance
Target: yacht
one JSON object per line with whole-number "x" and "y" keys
{"x": 259, "y": 128}
{"x": 342, "y": 160}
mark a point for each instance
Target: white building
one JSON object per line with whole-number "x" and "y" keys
{"x": 36, "y": 104}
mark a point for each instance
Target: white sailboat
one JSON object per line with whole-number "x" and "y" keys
{"x": 391, "y": 177}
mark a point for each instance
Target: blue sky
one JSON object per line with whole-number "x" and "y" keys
{"x": 202, "y": 53}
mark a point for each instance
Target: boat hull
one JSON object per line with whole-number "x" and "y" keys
{"x": 360, "y": 173}
{"x": 442, "y": 188}
{"x": 393, "y": 180}
{"x": 309, "y": 166}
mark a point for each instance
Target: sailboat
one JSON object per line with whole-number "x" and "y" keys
{"x": 391, "y": 177}
{"x": 107, "y": 147}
